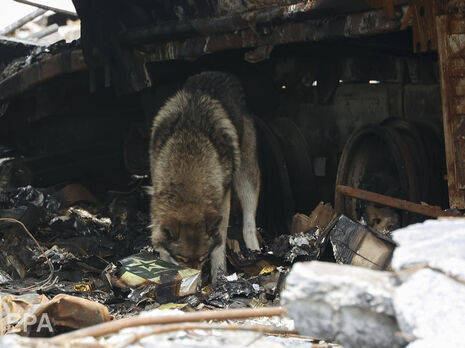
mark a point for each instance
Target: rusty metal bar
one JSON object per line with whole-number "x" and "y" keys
{"x": 426, "y": 210}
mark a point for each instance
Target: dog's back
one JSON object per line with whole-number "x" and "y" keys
{"x": 226, "y": 89}
{"x": 211, "y": 104}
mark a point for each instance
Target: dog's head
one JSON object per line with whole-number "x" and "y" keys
{"x": 382, "y": 219}
{"x": 185, "y": 241}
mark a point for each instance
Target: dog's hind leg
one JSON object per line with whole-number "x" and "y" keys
{"x": 247, "y": 185}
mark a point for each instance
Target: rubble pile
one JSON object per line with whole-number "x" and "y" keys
{"x": 98, "y": 248}
{"x": 65, "y": 250}
{"x": 419, "y": 304}
{"x": 76, "y": 238}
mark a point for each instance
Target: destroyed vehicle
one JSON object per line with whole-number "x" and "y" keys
{"x": 356, "y": 103}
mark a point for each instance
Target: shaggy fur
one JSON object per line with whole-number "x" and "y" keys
{"x": 202, "y": 146}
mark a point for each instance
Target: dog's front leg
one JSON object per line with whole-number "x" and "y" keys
{"x": 247, "y": 189}
{"x": 218, "y": 256}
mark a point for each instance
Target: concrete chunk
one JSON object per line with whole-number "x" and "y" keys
{"x": 429, "y": 304}
{"x": 438, "y": 244}
{"x": 347, "y": 304}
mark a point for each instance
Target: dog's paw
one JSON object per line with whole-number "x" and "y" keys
{"x": 251, "y": 241}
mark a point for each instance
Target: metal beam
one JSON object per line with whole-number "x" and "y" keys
{"x": 343, "y": 26}
{"x": 339, "y": 27}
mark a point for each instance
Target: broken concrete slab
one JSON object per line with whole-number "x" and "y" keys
{"x": 438, "y": 244}
{"x": 430, "y": 305}
{"x": 430, "y": 261}
{"x": 349, "y": 305}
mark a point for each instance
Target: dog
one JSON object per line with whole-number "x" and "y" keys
{"x": 382, "y": 219}
{"x": 202, "y": 146}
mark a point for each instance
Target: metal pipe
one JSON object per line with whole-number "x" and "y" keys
{"x": 44, "y": 32}
{"x": 20, "y": 22}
